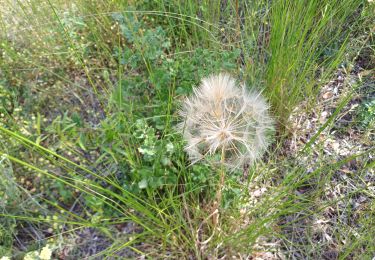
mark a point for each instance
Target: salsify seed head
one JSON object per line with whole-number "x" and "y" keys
{"x": 221, "y": 117}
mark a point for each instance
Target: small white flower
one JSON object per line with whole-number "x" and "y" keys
{"x": 46, "y": 252}
{"x": 3, "y": 158}
{"x": 222, "y": 116}
{"x": 33, "y": 255}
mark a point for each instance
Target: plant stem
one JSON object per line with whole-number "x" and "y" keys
{"x": 222, "y": 177}
{"x": 220, "y": 187}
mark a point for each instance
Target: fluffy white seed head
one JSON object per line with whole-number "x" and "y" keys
{"x": 221, "y": 116}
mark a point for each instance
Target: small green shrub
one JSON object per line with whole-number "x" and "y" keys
{"x": 366, "y": 114}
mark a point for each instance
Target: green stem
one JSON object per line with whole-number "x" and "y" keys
{"x": 222, "y": 177}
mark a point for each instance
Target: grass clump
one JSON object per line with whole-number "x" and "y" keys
{"x": 89, "y": 96}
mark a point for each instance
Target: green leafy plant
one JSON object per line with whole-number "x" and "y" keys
{"x": 366, "y": 114}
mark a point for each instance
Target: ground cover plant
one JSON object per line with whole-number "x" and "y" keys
{"x": 95, "y": 159}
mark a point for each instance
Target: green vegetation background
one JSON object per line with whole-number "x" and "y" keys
{"x": 88, "y": 100}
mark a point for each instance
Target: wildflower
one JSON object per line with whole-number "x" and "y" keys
{"x": 46, "y": 252}
{"x": 221, "y": 116}
{"x": 31, "y": 255}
